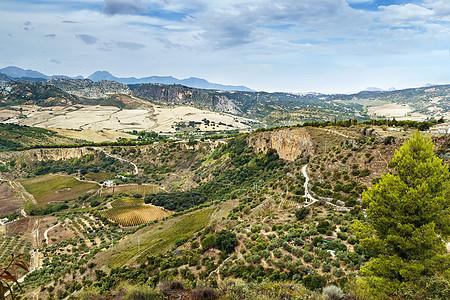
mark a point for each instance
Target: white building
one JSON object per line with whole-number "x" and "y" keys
{"x": 440, "y": 128}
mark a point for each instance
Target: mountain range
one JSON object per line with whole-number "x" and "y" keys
{"x": 31, "y": 75}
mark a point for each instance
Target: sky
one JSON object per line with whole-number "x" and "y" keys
{"x": 327, "y": 46}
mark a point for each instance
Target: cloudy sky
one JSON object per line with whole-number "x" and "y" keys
{"x": 272, "y": 45}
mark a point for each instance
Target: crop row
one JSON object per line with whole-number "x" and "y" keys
{"x": 133, "y": 216}
{"x": 12, "y": 245}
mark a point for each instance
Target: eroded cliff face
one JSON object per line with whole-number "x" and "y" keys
{"x": 46, "y": 154}
{"x": 289, "y": 143}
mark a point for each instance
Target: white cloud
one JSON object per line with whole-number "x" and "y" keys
{"x": 321, "y": 45}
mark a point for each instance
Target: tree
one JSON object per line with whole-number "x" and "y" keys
{"x": 408, "y": 221}
{"x": 226, "y": 240}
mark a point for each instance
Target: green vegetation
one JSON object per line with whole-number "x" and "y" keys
{"x": 56, "y": 188}
{"x": 408, "y": 224}
{"x": 15, "y": 137}
{"x": 241, "y": 229}
{"x": 184, "y": 226}
{"x": 243, "y": 169}
{"x": 132, "y": 212}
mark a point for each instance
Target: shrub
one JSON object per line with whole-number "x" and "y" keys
{"x": 314, "y": 282}
{"x": 300, "y": 214}
{"x": 141, "y": 293}
{"x": 307, "y": 257}
{"x": 226, "y": 241}
{"x": 209, "y": 242}
{"x": 332, "y": 292}
{"x": 204, "y": 293}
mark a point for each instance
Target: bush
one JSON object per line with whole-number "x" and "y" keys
{"x": 226, "y": 241}
{"x": 141, "y": 293}
{"x": 209, "y": 242}
{"x": 314, "y": 282}
{"x": 307, "y": 257}
{"x": 300, "y": 214}
{"x": 332, "y": 292}
{"x": 204, "y": 293}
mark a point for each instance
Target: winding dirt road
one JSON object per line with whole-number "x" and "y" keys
{"x": 136, "y": 170}
{"x": 313, "y": 200}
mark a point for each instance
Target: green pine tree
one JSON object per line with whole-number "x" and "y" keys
{"x": 408, "y": 222}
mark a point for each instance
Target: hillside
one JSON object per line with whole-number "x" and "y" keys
{"x": 250, "y": 187}
{"x": 88, "y": 89}
{"x": 15, "y": 136}
{"x": 268, "y": 108}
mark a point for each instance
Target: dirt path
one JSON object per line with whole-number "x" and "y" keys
{"x": 136, "y": 170}
{"x": 314, "y": 200}
{"x": 307, "y": 194}
{"x": 335, "y": 132}
{"x": 48, "y": 229}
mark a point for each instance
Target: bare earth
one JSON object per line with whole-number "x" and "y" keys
{"x": 390, "y": 110}
{"x": 10, "y": 200}
{"x": 108, "y": 118}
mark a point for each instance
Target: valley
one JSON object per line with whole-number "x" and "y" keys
{"x": 156, "y": 210}
{"x": 111, "y": 189}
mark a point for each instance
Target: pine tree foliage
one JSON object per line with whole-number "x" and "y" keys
{"x": 408, "y": 220}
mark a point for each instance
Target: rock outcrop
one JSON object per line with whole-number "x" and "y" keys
{"x": 87, "y": 88}
{"x": 182, "y": 95}
{"x": 289, "y": 143}
{"x": 47, "y": 154}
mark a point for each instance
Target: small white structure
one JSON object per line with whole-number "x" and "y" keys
{"x": 440, "y": 128}
{"x": 109, "y": 183}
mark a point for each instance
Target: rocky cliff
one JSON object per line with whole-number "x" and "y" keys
{"x": 289, "y": 143}
{"x": 46, "y": 154}
{"x": 89, "y": 89}
{"x": 182, "y": 95}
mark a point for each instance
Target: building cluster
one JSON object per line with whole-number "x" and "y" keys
{"x": 440, "y": 128}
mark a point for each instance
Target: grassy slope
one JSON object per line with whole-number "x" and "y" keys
{"x": 45, "y": 188}
{"x": 155, "y": 240}
{"x": 15, "y": 136}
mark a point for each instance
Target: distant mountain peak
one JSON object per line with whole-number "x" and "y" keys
{"x": 18, "y": 73}
{"x": 101, "y": 75}
{"x": 193, "y": 82}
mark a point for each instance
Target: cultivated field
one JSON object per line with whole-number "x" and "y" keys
{"x": 108, "y": 118}
{"x": 390, "y": 110}
{"x": 12, "y": 245}
{"x": 101, "y": 176}
{"x": 56, "y": 188}
{"x": 132, "y": 189}
{"x": 96, "y": 136}
{"x": 133, "y": 212}
{"x": 10, "y": 200}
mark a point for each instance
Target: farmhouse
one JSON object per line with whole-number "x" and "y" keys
{"x": 440, "y": 128}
